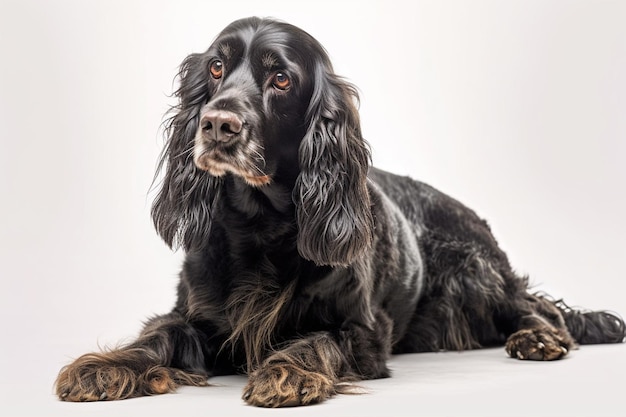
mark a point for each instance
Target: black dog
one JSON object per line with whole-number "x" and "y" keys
{"x": 305, "y": 267}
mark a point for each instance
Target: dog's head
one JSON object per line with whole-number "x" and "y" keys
{"x": 263, "y": 104}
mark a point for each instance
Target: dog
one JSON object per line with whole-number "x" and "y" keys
{"x": 305, "y": 267}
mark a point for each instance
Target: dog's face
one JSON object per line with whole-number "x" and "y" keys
{"x": 263, "y": 104}
{"x": 259, "y": 87}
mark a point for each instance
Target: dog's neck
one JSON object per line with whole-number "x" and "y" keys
{"x": 260, "y": 221}
{"x": 252, "y": 201}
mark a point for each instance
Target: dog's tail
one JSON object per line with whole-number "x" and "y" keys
{"x": 591, "y": 327}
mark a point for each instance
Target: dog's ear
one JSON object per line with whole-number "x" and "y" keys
{"x": 333, "y": 206}
{"x": 182, "y": 209}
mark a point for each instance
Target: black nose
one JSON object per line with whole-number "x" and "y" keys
{"x": 220, "y": 125}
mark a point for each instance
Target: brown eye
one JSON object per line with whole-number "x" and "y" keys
{"x": 281, "y": 81}
{"x": 216, "y": 68}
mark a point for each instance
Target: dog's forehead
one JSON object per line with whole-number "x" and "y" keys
{"x": 270, "y": 45}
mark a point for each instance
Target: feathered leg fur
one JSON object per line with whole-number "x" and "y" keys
{"x": 168, "y": 353}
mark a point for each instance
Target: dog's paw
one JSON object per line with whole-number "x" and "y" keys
{"x": 90, "y": 378}
{"x": 118, "y": 375}
{"x": 286, "y": 385}
{"x": 543, "y": 344}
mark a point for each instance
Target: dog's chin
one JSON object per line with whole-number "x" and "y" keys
{"x": 219, "y": 169}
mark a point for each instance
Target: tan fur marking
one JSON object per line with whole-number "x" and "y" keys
{"x": 284, "y": 385}
{"x": 119, "y": 374}
{"x": 305, "y": 372}
{"x": 253, "y": 310}
{"x": 539, "y": 344}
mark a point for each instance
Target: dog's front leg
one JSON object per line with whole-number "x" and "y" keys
{"x": 306, "y": 371}
{"x": 169, "y": 352}
{"x": 314, "y": 368}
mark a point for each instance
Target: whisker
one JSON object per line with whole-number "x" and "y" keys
{"x": 261, "y": 171}
{"x": 259, "y": 156}
{"x": 186, "y": 151}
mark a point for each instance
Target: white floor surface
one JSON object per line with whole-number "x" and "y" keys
{"x": 590, "y": 382}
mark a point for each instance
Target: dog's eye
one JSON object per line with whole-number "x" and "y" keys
{"x": 281, "y": 81}
{"x": 216, "y": 68}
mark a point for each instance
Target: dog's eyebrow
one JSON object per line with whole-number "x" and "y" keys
{"x": 269, "y": 60}
{"x": 225, "y": 49}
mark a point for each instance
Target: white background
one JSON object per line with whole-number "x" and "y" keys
{"x": 516, "y": 108}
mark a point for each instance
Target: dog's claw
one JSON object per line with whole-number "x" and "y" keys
{"x": 541, "y": 346}
{"x": 564, "y": 350}
{"x": 247, "y": 395}
{"x": 103, "y": 396}
{"x": 519, "y": 355}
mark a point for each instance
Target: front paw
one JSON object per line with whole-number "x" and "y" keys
{"x": 119, "y": 374}
{"x": 286, "y": 385}
{"x": 542, "y": 344}
{"x": 96, "y": 377}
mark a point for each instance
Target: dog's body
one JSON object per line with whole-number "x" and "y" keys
{"x": 305, "y": 267}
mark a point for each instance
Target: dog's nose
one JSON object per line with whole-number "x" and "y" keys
{"x": 220, "y": 125}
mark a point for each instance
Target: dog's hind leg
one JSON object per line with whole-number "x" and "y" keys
{"x": 538, "y": 330}
{"x": 168, "y": 353}
{"x": 546, "y": 329}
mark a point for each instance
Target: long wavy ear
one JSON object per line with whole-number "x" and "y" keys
{"x": 333, "y": 206}
{"x": 182, "y": 209}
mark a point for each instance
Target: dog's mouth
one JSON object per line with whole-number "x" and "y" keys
{"x": 227, "y": 142}
{"x": 218, "y": 163}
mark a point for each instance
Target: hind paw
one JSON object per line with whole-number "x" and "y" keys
{"x": 542, "y": 344}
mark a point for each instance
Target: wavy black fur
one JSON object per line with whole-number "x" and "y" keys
{"x": 305, "y": 267}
